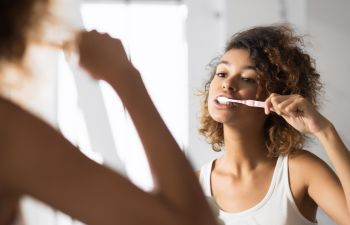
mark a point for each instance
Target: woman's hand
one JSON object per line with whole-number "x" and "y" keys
{"x": 297, "y": 111}
{"x": 104, "y": 58}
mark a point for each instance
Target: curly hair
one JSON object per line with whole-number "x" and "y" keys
{"x": 19, "y": 19}
{"x": 20, "y": 22}
{"x": 284, "y": 68}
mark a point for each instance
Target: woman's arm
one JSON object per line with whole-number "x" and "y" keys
{"x": 329, "y": 190}
{"x": 173, "y": 175}
{"x": 37, "y": 160}
{"x": 338, "y": 204}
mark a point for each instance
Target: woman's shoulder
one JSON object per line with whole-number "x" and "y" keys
{"x": 5, "y": 105}
{"x": 304, "y": 158}
{"x": 14, "y": 114}
{"x": 306, "y": 164}
{"x": 9, "y": 109}
{"x": 8, "y": 114}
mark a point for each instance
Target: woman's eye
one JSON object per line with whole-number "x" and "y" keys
{"x": 220, "y": 74}
{"x": 248, "y": 80}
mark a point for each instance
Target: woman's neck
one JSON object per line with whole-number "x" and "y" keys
{"x": 244, "y": 149}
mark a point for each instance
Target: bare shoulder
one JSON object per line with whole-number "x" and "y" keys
{"x": 10, "y": 111}
{"x": 6, "y": 108}
{"x": 305, "y": 158}
{"x": 306, "y": 164}
{"x": 321, "y": 184}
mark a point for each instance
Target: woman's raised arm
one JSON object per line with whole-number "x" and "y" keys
{"x": 36, "y": 160}
{"x": 105, "y": 58}
{"x": 329, "y": 190}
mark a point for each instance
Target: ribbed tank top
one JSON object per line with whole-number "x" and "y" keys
{"x": 276, "y": 208}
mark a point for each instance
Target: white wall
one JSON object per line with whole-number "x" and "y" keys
{"x": 329, "y": 29}
{"x": 206, "y": 29}
{"x": 330, "y": 34}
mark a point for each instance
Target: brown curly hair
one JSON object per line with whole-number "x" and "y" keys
{"x": 284, "y": 68}
{"x": 20, "y": 22}
{"x": 19, "y": 19}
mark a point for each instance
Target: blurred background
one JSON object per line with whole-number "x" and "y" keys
{"x": 171, "y": 42}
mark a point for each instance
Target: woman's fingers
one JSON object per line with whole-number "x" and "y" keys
{"x": 296, "y": 107}
{"x": 268, "y": 104}
{"x": 286, "y": 105}
{"x": 272, "y": 102}
{"x": 297, "y": 111}
{"x": 102, "y": 55}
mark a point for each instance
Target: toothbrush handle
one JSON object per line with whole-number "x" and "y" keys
{"x": 255, "y": 103}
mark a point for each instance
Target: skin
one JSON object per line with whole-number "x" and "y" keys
{"x": 245, "y": 165}
{"x": 46, "y": 166}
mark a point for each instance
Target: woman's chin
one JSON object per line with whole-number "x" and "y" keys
{"x": 222, "y": 119}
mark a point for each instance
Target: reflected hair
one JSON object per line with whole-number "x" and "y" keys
{"x": 283, "y": 67}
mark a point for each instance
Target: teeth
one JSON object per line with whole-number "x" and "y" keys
{"x": 223, "y": 100}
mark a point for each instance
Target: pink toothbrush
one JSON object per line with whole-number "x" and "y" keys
{"x": 251, "y": 103}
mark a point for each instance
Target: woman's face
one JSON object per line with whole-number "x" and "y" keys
{"x": 236, "y": 78}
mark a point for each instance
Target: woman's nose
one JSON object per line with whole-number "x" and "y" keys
{"x": 229, "y": 85}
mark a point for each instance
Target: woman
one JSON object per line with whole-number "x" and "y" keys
{"x": 264, "y": 175}
{"x": 36, "y": 160}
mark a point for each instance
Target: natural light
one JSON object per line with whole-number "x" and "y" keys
{"x": 154, "y": 38}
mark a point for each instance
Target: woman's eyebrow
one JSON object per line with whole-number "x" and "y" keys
{"x": 246, "y": 67}
{"x": 224, "y": 62}
{"x": 249, "y": 67}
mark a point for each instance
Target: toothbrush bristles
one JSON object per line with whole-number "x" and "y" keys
{"x": 252, "y": 103}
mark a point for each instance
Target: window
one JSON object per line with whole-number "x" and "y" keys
{"x": 154, "y": 38}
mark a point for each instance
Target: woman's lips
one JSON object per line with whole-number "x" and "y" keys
{"x": 224, "y": 106}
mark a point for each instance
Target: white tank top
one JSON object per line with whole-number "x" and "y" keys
{"x": 276, "y": 208}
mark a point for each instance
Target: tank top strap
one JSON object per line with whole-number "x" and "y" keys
{"x": 285, "y": 172}
{"x": 279, "y": 176}
{"x": 286, "y": 182}
{"x": 204, "y": 177}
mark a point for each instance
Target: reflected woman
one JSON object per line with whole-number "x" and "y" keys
{"x": 265, "y": 176}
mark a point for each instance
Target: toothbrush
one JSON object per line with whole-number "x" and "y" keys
{"x": 251, "y": 103}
